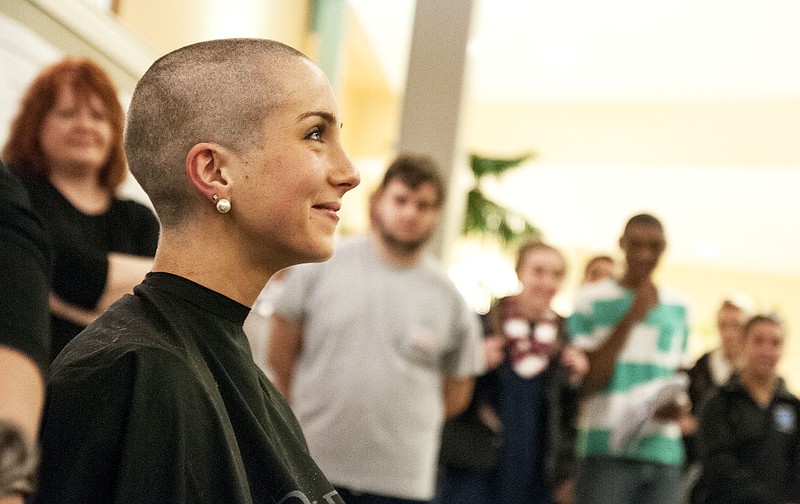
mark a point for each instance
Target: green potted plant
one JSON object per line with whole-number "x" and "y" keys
{"x": 486, "y": 218}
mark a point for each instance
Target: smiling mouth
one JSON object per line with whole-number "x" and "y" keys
{"x": 329, "y": 209}
{"x": 87, "y": 144}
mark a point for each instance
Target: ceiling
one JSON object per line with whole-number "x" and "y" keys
{"x": 581, "y": 51}
{"x": 616, "y": 49}
{"x": 637, "y": 49}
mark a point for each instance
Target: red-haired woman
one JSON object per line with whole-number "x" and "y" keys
{"x": 66, "y": 146}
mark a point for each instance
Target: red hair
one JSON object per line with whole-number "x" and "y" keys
{"x": 23, "y": 151}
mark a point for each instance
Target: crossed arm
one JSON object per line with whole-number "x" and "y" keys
{"x": 124, "y": 272}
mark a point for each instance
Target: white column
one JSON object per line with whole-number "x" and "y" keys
{"x": 431, "y": 116}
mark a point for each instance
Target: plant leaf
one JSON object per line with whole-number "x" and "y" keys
{"x": 484, "y": 217}
{"x": 482, "y": 166}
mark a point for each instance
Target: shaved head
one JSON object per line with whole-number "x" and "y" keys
{"x": 219, "y": 91}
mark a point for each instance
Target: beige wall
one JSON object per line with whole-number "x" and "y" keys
{"x": 724, "y": 133}
{"x": 370, "y": 110}
{"x": 168, "y": 25}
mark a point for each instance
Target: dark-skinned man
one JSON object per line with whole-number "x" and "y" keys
{"x": 635, "y": 335}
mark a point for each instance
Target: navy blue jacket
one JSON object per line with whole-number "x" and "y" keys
{"x": 749, "y": 454}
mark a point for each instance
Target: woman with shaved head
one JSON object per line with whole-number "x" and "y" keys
{"x": 237, "y": 144}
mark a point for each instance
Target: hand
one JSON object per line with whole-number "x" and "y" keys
{"x": 688, "y": 425}
{"x": 564, "y": 492}
{"x": 645, "y": 298}
{"x": 576, "y": 360}
{"x": 489, "y": 418}
{"x": 671, "y": 412}
{"x": 493, "y": 350}
{"x": 12, "y": 499}
{"x": 74, "y": 314}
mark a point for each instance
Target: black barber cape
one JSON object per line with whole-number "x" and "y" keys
{"x": 159, "y": 401}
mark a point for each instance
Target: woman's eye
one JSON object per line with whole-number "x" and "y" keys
{"x": 316, "y": 134}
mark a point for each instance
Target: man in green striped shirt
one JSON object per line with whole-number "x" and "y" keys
{"x": 635, "y": 335}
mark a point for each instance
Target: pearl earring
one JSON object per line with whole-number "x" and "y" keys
{"x": 223, "y": 205}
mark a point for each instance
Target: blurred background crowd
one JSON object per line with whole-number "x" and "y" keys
{"x": 545, "y": 147}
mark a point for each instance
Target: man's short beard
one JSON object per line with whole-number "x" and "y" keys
{"x": 404, "y": 247}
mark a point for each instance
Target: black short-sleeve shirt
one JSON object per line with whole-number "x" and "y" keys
{"x": 81, "y": 244}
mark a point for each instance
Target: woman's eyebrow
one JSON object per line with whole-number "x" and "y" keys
{"x": 325, "y": 116}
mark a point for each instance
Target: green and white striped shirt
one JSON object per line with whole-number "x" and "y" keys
{"x": 656, "y": 349}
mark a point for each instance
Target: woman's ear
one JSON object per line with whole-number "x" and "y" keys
{"x": 205, "y": 168}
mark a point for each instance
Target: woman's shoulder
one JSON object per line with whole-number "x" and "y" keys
{"x": 45, "y": 199}
{"x": 130, "y": 204}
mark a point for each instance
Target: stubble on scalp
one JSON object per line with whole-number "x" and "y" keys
{"x": 219, "y": 91}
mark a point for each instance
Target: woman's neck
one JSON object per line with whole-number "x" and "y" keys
{"x": 531, "y": 310}
{"x": 195, "y": 253}
{"x": 82, "y": 190}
